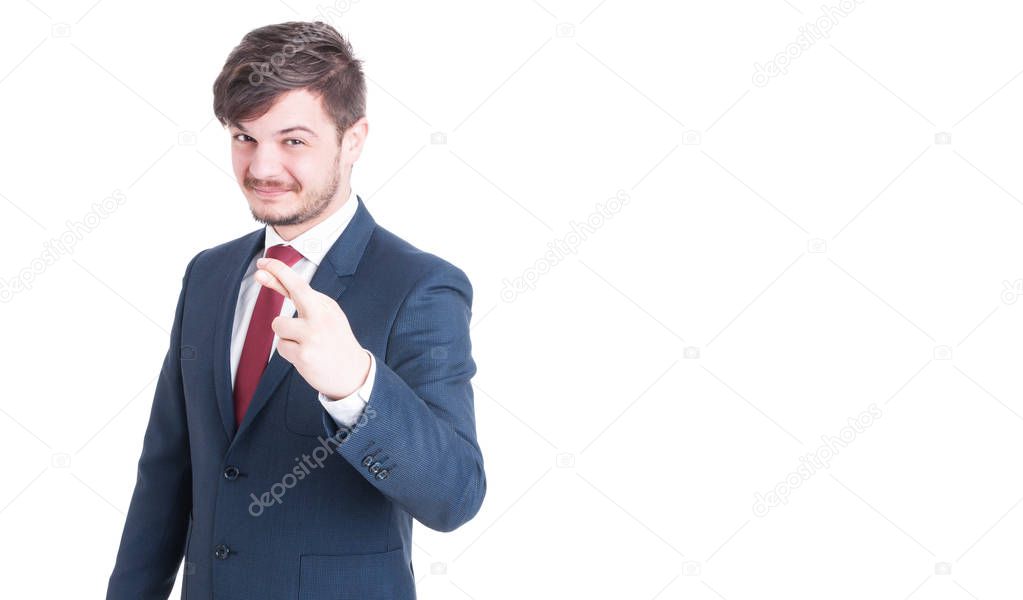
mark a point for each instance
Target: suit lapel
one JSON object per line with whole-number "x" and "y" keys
{"x": 238, "y": 263}
{"x": 332, "y": 278}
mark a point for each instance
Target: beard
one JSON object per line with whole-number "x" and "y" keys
{"x": 312, "y": 203}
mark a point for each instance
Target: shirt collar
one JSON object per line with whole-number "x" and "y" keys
{"x": 316, "y": 241}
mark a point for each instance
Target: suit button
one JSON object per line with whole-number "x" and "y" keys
{"x": 382, "y": 474}
{"x": 231, "y": 473}
{"x": 375, "y": 468}
{"x": 368, "y": 460}
{"x": 221, "y": 551}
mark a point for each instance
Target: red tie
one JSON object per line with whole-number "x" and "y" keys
{"x": 259, "y": 338}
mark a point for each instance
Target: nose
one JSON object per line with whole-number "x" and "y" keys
{"x": 266, "y": 164}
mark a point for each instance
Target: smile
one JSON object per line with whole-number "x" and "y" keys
{"x": 270, "y": 193}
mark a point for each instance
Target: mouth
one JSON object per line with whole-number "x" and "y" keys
{"x": 270, "y": 192}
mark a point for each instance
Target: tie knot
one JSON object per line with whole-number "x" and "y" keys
{"x": 284, "y": 253}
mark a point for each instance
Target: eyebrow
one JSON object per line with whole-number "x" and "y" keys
{"x": 286, "y": 130}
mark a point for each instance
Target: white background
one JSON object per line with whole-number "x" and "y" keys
{"x": 809, "y": 241}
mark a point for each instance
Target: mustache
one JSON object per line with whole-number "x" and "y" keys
{"x": 268, "y": 185}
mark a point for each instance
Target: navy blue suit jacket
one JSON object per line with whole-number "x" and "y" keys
{"x": 290, "y": 505}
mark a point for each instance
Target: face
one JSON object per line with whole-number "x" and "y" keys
{"x": 289, "y": 164}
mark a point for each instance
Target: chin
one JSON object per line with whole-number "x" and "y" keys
{"x": 272, "y": 217}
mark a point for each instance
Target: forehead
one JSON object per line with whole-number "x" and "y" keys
{"x": 296, "y": 107}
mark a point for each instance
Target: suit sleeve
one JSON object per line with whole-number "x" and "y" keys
{"x": 416, "y": 439}
{"x": 153, "y": 540}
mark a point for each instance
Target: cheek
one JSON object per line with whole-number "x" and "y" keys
{"x": 240, "y": 164}
{"x": 311, "y": 172}
{"x": 298, "y": 174}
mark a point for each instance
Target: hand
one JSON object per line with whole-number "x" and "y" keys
{"x": 319, "y": 341}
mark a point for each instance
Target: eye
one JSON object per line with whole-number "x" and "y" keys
{"x": 300, "y": 142}
{"x": 241, "y": 135}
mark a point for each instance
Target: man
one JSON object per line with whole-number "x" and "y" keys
{"x": 315, "y": 396}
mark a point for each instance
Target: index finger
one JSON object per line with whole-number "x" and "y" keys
{"x": 296, "y": 287}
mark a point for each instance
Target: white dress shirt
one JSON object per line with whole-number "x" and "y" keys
{"x": 313, "y": 244}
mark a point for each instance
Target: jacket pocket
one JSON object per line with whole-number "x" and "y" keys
{"x": 377, "y": 576}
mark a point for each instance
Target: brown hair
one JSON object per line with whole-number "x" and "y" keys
{"x": 276, "y": 59}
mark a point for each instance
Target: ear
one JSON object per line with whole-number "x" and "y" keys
{"x": 354, "y": 139}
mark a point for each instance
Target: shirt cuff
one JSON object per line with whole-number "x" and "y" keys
{"x": 346, "y": 411}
